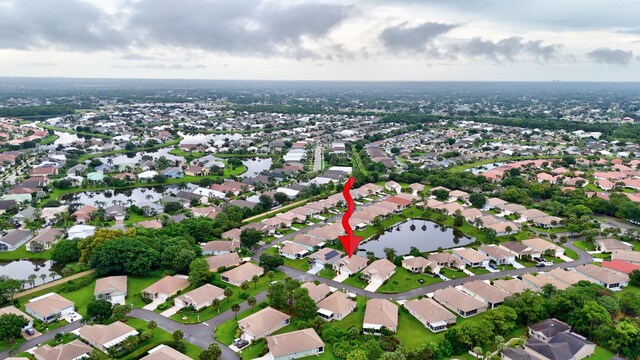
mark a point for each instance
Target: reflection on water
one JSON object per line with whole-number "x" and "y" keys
{"x": 256, "y": 165}
{"x": 65, "y": 138}
{"x": 134, "y": 158}
{"x": 21, "y": 269}
{"x": 125, "y": 197}
{"x": 424, "y": 235}
{"x": 204, "y": 139}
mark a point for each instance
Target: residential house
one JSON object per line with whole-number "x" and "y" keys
{"x": 544, "y": 246}
{"x": 220, "y": 247}
{"x": 611, "y": 245}
{"x": 242, "y": 273}
{"x": 350, "y": 265}
{"x": 459, "y": 302}
{"x": 446, "y": 260}
{"x": 15, "y": 311}
{"x": 497, "y": 254}
{"x": 45, "y": 239}
{"x": 541, "y": 279}
{"x": 393, "y": 186}
{"x": 112, "y": 289}
{"x": 603, "y": 276}
{"x": 223, "y": 261}
{"x": 49, "y": 307}
{"x": 431, "y": 314}
{"x": 294, "y": 345}
{"x": 80, "y": 231}
{"x": 512, "y": 286}
{"x": 317, "y": 292}
{"x": 166, "y": 287}
{"x": 293, "y": 251}
{"x": 480, "y": 290}
{"x": 263, "y": 323}
{"x": 503, "y": 228}
{"x": 325, "y": 256}
{"x": 570, "y": 346}
{"x": 73, "y": 350}
{"x": 519, "y": 249}
{"x": 568, "y": 276}
{"x": 378, "y": 271}
{"x": 309, "y": 242}
{"x": 14, "y": 239}
{"x": 200, "y": 298}
{"x": 471, "y": 257}
{"x": 104, "y": 337}
{"x": 336, "y": 306}
{"x": 378, "y": 314}
{"x": 164, "y": 352}
{"x": 629, "y": 256}
{"x": 620, "y": 266}
{"x": 416, "y": 264}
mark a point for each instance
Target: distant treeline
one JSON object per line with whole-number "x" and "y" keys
{"x": 608, "y": 130}
{"x": 46, "y": 110}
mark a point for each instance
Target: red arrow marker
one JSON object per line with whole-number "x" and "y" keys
{"x": 350, "y": 241}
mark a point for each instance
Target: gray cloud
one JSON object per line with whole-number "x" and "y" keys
{"x": 66, "y": 24}
{"x": 610, "y": 56}
{"x": 416, "y": 39}
{"x": 510, "y": 49}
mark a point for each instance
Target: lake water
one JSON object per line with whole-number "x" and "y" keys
{"x": 135, "y": 157}
{"x": 256, "y": 165}
{"x": 65, "y": 138}
{"x": 206, "y": 138}
{"x": 21, "y": 269}
{"x": 482, "y": 168}
{"x": 423, "y": 234}
{"x": 109, "y": 197}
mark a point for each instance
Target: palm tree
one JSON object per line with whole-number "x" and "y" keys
{"x": 152, "y": 325}
{"x": 215, "y": 303}
{"x": 271, "y": 275}
{"x": 235, "y": 308}
{"x": 251, "y": 301}
{"x": 178, "y": 335}
{"x": 43, "y": 277}
{"x": 52, "y": 276}
{"x": 227, "y": 293}
{"x": 255, "y": 280}
{"x": 32, "y": 280}
{"x": 390, "y": 253}
{"x": 244, "y": 286}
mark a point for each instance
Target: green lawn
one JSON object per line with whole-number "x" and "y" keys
{"x": 299, "y": 264}
{"x": 356, "y": 318}
{"x": 135, "y": 218}
{"x": 601, "y": 354}
{"x": 22, "y": 253}
{"x": 136, "y": 284}
{"x": 327, "y": 274}
{"x": 404, "y": 280}
{"x": 478, "y": 271}
{"x": 453, "y": 274}
{"x": 208, "y": 313}
{"x": 570, "y": 253}
{"x": 583, "y": 245}
{"x": 159, "y": 336}
{"x": 226, "y": 332}
{"x": 412, "y": 333}
{"x": 355, "y": 281}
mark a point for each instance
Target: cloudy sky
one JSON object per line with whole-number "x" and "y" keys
{"x": 542, "y": 40}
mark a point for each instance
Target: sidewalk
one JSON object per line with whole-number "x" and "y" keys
{"x": 52, "y": 284}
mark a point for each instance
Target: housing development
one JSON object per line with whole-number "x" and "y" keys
{"x": 162, "y": 220}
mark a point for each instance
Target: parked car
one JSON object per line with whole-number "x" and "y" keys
{"x": 30, "y": 331}
{"x": 242, "y": 343}
{"x": 493, "y": 266}
{"x": 548, "y": 263}
{"x": 540, "y": 264}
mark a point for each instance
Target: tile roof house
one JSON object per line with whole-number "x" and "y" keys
{"x": 242, "y": 273}
{"x": 603, "y": 276}
{"x": 223, "y": 261}
{"x": 45, "y": 239}
{"x": 14, "y": 310}
{"x": 326, "y": 256}
{"x": 480, "y": 290}
{"x": 165, "y": 287}
{"x": 292, "y": 250}
{"x": 471, "y": 257}
{"x": 431, "y": 314}
{"x": 497, "y": 254}
{"x": 611, "y": 245}
{"x": 317, "y": 292}
{"x": 112, "y": 289}
{"x": 519, "y": 249}
{"x": 14, "y": 239}
{"x": 295, "y": 344}
{"x": 379, "y": 271}
{"x": 542, "y": 279}
{"x": 568, "y": 276}
{"x": 164, "y": 352}
{"x": 380, "y": 313}
{"x": 512, "y": 286}
{"x": 200, "y": 297}
{"x": 262, "y": 323}
{"x": 309, "y": 242}
{"x": 620, "y": 266}
{"x": 350, "y": 265}
{"x": 336, "y": 306}
{"x": 444, "y": 259}
{"x": 104, "y": 337}
{"x": 629, "y": 256}
{"x": 219, "y": 247}
{"x": 416, "y": 264}
{"x": 74, "y": 350}
{"x": 459, "y": 302}
{"x": 49, "y": 307}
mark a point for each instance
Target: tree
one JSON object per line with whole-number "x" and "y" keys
{"x": 255, "y": 279}
{"x": 199, "y": 272}
{"x": 244, "y": 286}
{"x": 250, "y": 237}
{"x": 43, "y": 277}
{"x": 303, "y": 307}
{"x": 172, "y": 207}
{"x": 281, "y": 197}
{"x": 227, "y": 293}
{"x": 390, "y": 253}
{"x": 357, "y": 354}
{"x": 134, "y": 257}
{"x": 8, "y": 288}
{"x": 591, "y": 315}
{"x": 477, "y": 200}
{"x": 634, "y": 278}
{"x": 271, "y": 275}
{"x": 234, "y": 163}
{"x": 266, "y": 201}
{"x": 235, "y": 308}
{"x": 270, "y": 262}
{"x": 251, "y": 301}
{"x": 212, "y": 353}
{"x": 99, "y": 310}
{"x": 119, "y": 312}
{"x": 276, "y": 294}
{"x": 177, "y": 335}
{"x": 625, "y": 336}
{"x": 65, "y": 252}
{"x": 11, "y": 326}
{"x": 440, "y": 194}
{"x": 458, "y": 220}
{"x": 503, "y": 319}
{"x": 152, "y": 325}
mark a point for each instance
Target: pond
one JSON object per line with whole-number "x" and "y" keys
{"x": 206, "y": 138}
{"x": 21, "y": 269}
{"x": 482, "y": 168}
{"x": 110, "y": 197}
{"x": 425, "y": 235}
{"x": 134, "y": 158}
{"x": 65, "y": 138}
{"x": 256, "y": 165}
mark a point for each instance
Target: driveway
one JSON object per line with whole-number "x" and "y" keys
{"x": 315, "y": 269}
{"x": 171, "y": 311}
{"x": 154, "y": 304}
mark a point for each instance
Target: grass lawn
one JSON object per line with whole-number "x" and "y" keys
{"x": 412, "y": 333}
{"x": 356, "y": 318}
{"x": 226, "y": 332}
{"x": 135, "y": 218}
{"x": 208, "y": 313}
{"x": 327, "y": 273}
{"x": 583, "y": 245}
{"x": 570, "y": 253}
{"x": 22, "y": 253}
{"x": 550, "y": 231}
{"x": 404, "y": 280}
{"x": 355, "y": 281}
{"x": 136, "y": 284}
{"x": 478, "y": 271}
{"x": 159, "y": 336}
{"x": 299, "y": 264}
{"x": 5, "y": 345}
{"x": 601, "y": 354}
{"x": 453, "y": 274}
